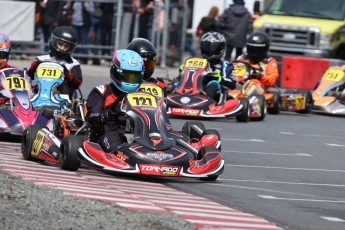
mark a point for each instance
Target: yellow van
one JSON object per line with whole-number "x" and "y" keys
{"x": 309, "y": 28}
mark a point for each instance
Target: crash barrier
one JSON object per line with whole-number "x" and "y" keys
{"x": 303, "y": 72}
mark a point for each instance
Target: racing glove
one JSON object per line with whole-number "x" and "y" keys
{"x": 216, "y": 75}
{"x": 108, "y": 115}
{"x": 33, "y": 67}
{"x": 68, "y": 75}
{"x": 256, "y": 75}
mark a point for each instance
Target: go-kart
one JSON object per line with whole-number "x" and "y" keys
{"x": 291, "y": 100}
{"x": 16, "y": 111}
{"x": 151, "y": 149}
{"x": 66, "y": 113}
{"x": 190, "y": 100}
{"x": 327, "y": 93}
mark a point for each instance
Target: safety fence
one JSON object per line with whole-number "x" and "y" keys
{"x": 166, "y": 26}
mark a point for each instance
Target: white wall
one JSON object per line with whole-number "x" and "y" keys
{"x": 202, "y": 7}
{"x": 18, "y": 20}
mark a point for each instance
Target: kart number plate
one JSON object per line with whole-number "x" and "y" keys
{"x": 333, "y": 74}
{"x": 142, "y": 100}
{"x": 240, "y": 69}
{"x": 196, "y": 63}
{"x": 155, "y": 90}
{"x": 37, "y": 144}
{"x": 48, "y": 72}
{"x": 16, "y": 83}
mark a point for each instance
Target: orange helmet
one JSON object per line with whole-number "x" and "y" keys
{"x": 5, "y": 48}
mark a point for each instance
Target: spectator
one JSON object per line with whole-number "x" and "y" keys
{"x": 208, "y": 23}
{"x": 81, "y": 23}
{"x": 48, "y": 18}
{"x": 106, "y": 26}
{"x": 235, "y": 23}
{"x": 95, "y": 35}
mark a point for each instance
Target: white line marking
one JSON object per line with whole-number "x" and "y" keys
{"x": 230, "y": 224}
{"x": 253, "y": 140}
{"x": 277, "y": 154}
{"x": 271, "y": 167}
{"x": 294, "y": 199}
{"x": 335, "y": 219}
{"x": 311, "y": 135}
{"x": 284, "y": 182}
{"x": 334, "y": 145}
{"x": 225, "y": 217}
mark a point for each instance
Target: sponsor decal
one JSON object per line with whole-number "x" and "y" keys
{"x": 37, "y": 144}
{"x": 188, "y": 112}
{"x": 160, "y": 170}
{"x": 160, "y": 156}
{"x": 47, "y": 144}
{"x": 185, "y": 100}
{"x": 121, "y": 156}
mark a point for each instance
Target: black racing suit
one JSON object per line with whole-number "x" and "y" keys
{"x": 109, "y": 135}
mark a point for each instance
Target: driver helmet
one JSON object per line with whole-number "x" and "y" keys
{"x": 258, "y": 44}
{"x": 63, "y": 41}
{"x": 212, "y": 46}
{"x": 147, "y": 51}
{"x": 5, "y": 49}
{"x": 126, "y": 71}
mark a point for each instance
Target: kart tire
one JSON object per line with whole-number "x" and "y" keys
{"x": 244, "y": 116}
{"x": 193, "y": 129}
{"x": 308, "y": 102}
{"x": 215, "y": 132}
{"x": 276, "y": 104}
{"x": 263, "y": 108}
{"x": 29, "y": 135}
{"x": 202, "y": 153}
{"x": 69, "y": 152}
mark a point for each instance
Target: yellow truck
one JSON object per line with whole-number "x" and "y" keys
{"x": 309, "y": 28}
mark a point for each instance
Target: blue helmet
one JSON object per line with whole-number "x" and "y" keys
{"x": 126, "y": 71}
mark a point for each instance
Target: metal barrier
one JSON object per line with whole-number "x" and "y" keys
{"x": 161, "y": 39}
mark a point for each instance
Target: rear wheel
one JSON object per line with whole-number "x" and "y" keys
{"x": 193, "y": 129}
{"x": 69, "y": 152}
{"x": 244, "y": 116}
{"x": 308, "y": 101}
{"x": 29, "y": 136}
{"x": 276, "y": 104}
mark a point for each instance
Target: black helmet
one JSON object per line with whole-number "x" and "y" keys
{"x": 212, "y": 46}
{"x": 68, "y": 37}
{"x": 258, "y": 44}
{"x": 147, "y": 51}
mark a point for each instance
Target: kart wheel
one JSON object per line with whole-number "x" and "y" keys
{"x": 214, "y": 132}
{"x": 262, "y": 105}
{"x": 308, "y": 100}
{"x": 202, "y": 153}
{"x": 193, "y": 129}
{"x": 276, "y": 104}
{"x": 29, "y": 135}
{"x": 69, "y": 152}
{"x": 244, "y": 116}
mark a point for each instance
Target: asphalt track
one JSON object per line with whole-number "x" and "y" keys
{"x": 288, "y": 169}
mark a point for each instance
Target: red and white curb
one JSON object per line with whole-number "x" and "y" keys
{"x": 131, "y": 194}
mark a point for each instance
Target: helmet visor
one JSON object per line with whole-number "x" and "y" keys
{"x": 132, "y": 77}
{"x": 4, "y": 53}
{"x": 149, "y": 64}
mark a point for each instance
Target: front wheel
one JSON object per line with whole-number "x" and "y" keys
{"x": 193, "y": 129}
{"x": 275, "y": 104}
{"x": 69, "y": 152}
{"x": 28, "y": 138}
{"x": 244, "y": 116}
